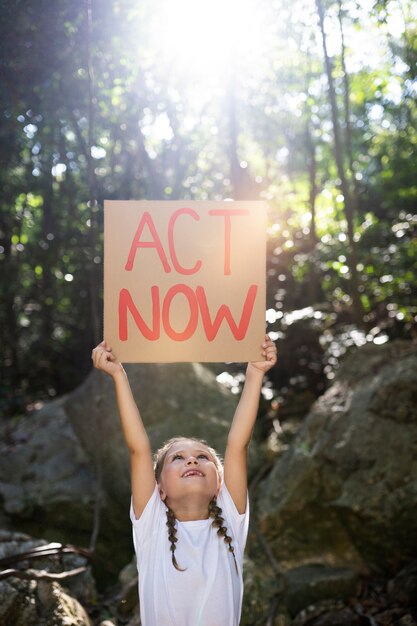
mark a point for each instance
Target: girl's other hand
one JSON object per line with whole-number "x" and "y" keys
{"x": 269, "y": 351}
{"x": 104, "y": 359}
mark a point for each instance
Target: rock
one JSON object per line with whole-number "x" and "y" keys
{"x": 344, "y": 617}
{"x": 309, "y": 584}
{"x": 18, "y": 603}
{"x": 135, "y": 621}
{"x": 45, "y": 475}
{"x": 128, "y": 573}
{"x": 122, "y": 601}
{"x": 81, "y": 586}
{"x": 42, "y": 602}
{"x": 341, "y": 617}
{"x": 174, "y": 399}
{"x": 403, "y": 588}
{"x": 259, "y": 590}
{"x": 347, "y": 484}
{"x": 55, "y": 607}
{"x": 129, "y": 598}
{"x": 399, "y": 617}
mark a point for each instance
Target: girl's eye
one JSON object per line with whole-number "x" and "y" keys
{"x": 177, "y": 456}
{"x": 203, "y": 456}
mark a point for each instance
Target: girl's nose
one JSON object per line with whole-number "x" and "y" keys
{"x": 191, "y": 459}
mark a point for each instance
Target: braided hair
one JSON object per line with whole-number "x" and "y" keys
{"x": 218, "y": 522}
{"x": 213, "y": 509}
{"x": 172, "y": 536}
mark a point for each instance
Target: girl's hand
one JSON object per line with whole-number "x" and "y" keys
{"x": 269, "y": 351}
{"x": 105, "y": 360}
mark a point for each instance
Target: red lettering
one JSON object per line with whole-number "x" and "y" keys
{"x": 179, "y": 268}
{"x": 126, "y": 304}
{"x": 193, "y": 321}
{"x": 212, "y": 328}
{"x": 227, "y": 214}
{"x": 155, "y": 243}
{"x": 196, "y": 301}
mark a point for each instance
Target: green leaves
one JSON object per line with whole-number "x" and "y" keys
{"x": 259, "y": 127}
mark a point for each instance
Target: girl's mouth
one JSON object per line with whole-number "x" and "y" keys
{"x": 192, "y": 473}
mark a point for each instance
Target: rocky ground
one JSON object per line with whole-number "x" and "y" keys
{"x": 75, "y": 602}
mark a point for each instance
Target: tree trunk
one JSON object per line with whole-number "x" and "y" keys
{"x": 313, "y": 285}
{"x": 49, "y": 237}
{"x": 346, "y": 94}
{"x": 92, "y": 187}
{"x": 312, "y": 174}
{"x": 357, "y": 308}
{"x": 10, "y": 367}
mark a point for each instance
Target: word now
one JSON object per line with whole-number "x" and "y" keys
{"x": 198, "y": 307}
{"x": 155, "y": 242}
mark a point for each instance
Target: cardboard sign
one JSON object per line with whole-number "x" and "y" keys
{"x": 184, "y": 281}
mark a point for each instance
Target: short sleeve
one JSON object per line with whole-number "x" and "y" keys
{"x": 147, "y": 524}
{"x": 237, "y": 522}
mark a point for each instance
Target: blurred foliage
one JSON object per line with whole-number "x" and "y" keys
{"x": 254, "y": 125}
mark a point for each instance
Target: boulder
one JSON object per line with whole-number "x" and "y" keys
{"x": 345, "y": 493}
{"x": 43, "y": 602}
{"x": 174, "y": 399}
{"x": 46, "y": 481}
{"x": 402, "y": 589}
{"x": 309, "y": 584}
{"x": 328, "y": 613}
{"x": 260, "y": 590}
{"x": 30, "y": 603}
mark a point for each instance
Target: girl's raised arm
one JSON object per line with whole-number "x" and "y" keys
{"x": 235, "y": 458}
{"x": 137, "y": 441}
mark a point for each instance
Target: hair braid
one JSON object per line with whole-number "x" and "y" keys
{"x": 172, "y": 536}
{"x": 218, "y": 522}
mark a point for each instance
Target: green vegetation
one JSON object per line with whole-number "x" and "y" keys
{"x": 263, "y": 100}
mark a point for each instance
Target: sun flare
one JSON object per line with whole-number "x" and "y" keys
{"x": 200, "y": 38}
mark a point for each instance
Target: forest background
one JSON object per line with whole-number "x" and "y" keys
{"x": 309, "y": 105}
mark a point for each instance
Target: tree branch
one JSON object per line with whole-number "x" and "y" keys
{"x": 35, "y": 574}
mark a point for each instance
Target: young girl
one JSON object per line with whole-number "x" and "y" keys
{"x": 189, "y": 513}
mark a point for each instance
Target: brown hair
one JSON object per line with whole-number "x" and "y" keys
{"x": 213, "y": 509}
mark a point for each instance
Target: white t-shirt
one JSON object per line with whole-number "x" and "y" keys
{"x": 208, "y": 592}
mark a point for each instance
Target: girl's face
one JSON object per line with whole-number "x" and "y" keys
{"x": 188, "y": 469}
